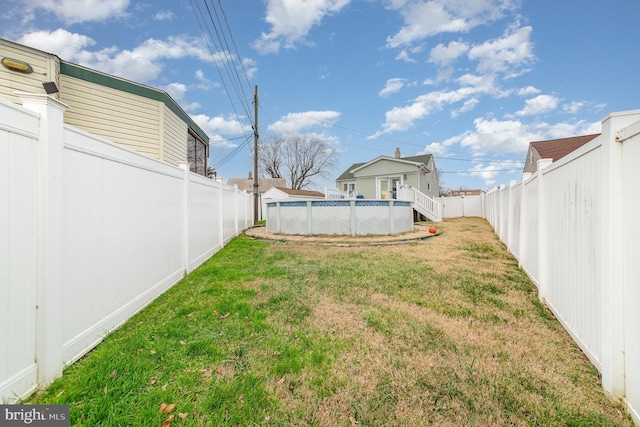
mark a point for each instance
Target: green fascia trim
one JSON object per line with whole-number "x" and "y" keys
{"x": 73, "y": 70}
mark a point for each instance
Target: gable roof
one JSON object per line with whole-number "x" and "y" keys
{"x": 293, "y": 192}
{"x": 348, "y": 174}
{"x": 558, "y": 148}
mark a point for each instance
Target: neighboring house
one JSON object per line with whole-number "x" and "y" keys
{"x": 264, "y": 184}
{"x": 281, "y": 193}
{"x": 137, "y": 116}
{"x": 382, "y": 177}
{"x": 553, "y": 149}
{"x": 275, "y": 194}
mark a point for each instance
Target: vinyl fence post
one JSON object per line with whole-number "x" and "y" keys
{"x": 50, "y": 236}
{"x": 236, "y": 197}
{"x": 185, "y": 217}
{"x": 543, "y": 241}
{"x": 612, "y": 255}
{"x": 220, "y": 218}
{"x": 524, "y": 220}
{"x": 511, "y": 217}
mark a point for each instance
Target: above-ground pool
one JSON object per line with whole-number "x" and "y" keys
{"x": 349, "y": 217}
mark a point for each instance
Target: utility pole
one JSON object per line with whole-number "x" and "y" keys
{"x": 256, "y": 192}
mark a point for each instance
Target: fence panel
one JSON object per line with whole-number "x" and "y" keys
{"x": 573, "y": 220}
{"x": 513, "y": 226}
{"x": 122, "y": 225}
{"x": 631, "y": 227}
{"x": 205, "y": 236}
{"x": 457, "y": 206}
{"x": 529, "y": 248}
{"x": 18, "y": 240}
{"x": 90, "y": 232}
{"x": 578, "y": 241}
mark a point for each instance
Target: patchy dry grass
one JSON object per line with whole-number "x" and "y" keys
{"x": 443, "y": 331}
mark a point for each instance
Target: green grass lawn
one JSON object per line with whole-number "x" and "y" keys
{"x": 444, "y": 331}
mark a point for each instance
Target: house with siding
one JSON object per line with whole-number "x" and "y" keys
{"x": 137, "y": 116}
{"x": 553, "y": 149}
{"x": 382, "y": 177}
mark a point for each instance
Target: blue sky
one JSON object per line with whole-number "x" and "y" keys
{"x": 470, "y": 81}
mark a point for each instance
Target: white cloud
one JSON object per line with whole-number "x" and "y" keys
{"x": 505, "y": 54}
{"x": 164, "y": 15}
{"x": 291, "y": 21}
{"x": 489, "y": 172}
{"x": 445, "y": 55}
{"x": 493, "y": 136}
{"x": 500, "y": 136}
{"x": 250, "y": 67}
{"x": 60, "y": 42}
{"x": 178, "y": 92}
{"x": 423, "y": 19}
{"x": 216, "y": 127}
{"x": 435, "y": 148}
{"x": 404, "y": 56}
{"x": 529, "y": 90}
{"x": 141, "y": 64}
{"x": 538, "y": 105}
{"x": 205, "y": 83}
{"x": 296, "y": 122}
{"x": 467, "y": 106}
{"x": 74, "y": 11}
{"x": 393, "y": 86}
{"x": 402, "y": 118}
{"x": 573, "y": 107}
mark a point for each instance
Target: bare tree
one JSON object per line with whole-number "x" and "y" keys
{"x": 270, "y": 156}
{"x": 440, "y": 177}
{"x": 298, "y": 158}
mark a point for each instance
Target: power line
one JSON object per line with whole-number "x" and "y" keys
{"x": 479, "y": 160}
{"x": 229, "y": 63}
{"x": 231, "y": 154}
{"x": 213, "y": 30}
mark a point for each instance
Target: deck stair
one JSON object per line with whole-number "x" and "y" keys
{"x": 423, "y": 204}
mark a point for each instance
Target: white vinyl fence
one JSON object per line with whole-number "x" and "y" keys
{"x": 90, "y": 233}
{"x": 459, "y": 206}
{"x": 573, "y": 227}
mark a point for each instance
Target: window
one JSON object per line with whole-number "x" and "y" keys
{"x": 197, "y": 153}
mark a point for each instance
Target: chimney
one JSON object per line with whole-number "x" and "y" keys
{"x": 397, "y": 153}
{"x": 250, "y": 177}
